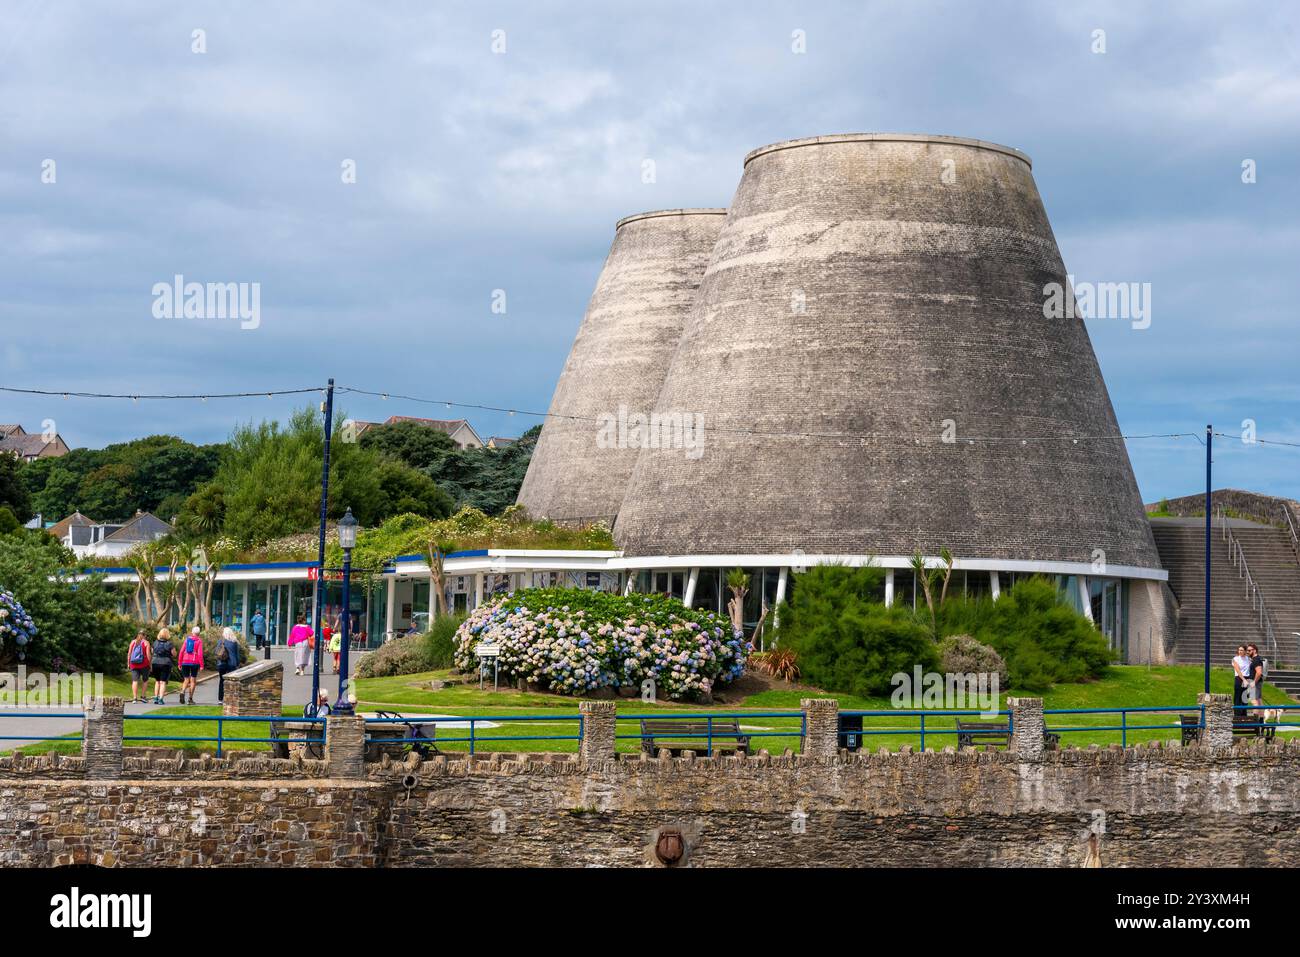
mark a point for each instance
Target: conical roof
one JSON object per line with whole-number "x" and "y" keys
{"x": 617, "y": 363}
{"x": 885, "y": 293}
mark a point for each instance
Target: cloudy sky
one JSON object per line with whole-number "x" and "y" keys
{"x": 479, "y": 170}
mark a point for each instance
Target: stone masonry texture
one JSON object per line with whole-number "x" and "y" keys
{"x": 1237, "y": 805}
{"x": 887, "y": 286}
{"x": 254, "y": 689}
{"x": 619, "y": 358}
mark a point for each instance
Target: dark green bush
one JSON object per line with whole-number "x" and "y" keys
{"x": 440, "y": 642}
{"x": 847, "y": 641}
{"x": 1042, "y": 638}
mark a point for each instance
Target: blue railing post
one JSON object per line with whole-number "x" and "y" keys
{"x": 1123, "y": 729}
{"x": 708, "y": 744}
{"x": 923, "y": 732}
{"x": 219, "y": 723}
{"x": 471, "y": 735}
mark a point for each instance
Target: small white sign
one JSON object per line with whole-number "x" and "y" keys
{"x": 485, "y": 650}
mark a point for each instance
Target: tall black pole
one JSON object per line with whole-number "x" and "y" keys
{"x": 343, "y": 705}
{"x": 1209, "y": 444}
{"x": 320, "y": 560}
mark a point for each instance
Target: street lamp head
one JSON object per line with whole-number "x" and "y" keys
{"x": 347, "y": 531}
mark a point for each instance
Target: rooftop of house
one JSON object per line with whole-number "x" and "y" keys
{"x": 60, "y": 529}
{"x": 142, "y": 527}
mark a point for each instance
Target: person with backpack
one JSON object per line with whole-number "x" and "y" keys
{"x": 138, "y": 660}
{"x": 191, "y": 661}
{"x": 228, "y": 659}
{"x": 161, "y": 664}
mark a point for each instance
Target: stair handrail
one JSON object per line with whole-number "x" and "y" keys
{"x": 1290, "y": 525}
{"x": 1237, "y": 555}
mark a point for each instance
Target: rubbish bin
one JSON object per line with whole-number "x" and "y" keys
{"x": 850, "y": 734}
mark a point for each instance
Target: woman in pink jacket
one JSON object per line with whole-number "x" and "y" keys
{"x": 300, "y": 640}
{"x": 191, "y": 662}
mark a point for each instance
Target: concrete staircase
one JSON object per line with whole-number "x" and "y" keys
{"x": 1273, "y": 564}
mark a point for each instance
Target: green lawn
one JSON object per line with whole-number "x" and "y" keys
{"x": 155, "y": 734}
{"x": 1124, "y": 686}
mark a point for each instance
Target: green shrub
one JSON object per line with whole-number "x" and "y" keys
{"x": 963, "y": 655}
{"x": 845, "y": 640}
{"x": 440, "y": 642}
{"x": 401, "y": 656}
{"x": 1042, "y": 638}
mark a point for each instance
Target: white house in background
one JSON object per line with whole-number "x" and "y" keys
{"x": 500, "y": 441}
{"x": 87, "y": 537}
{"x": 461, "y": 432}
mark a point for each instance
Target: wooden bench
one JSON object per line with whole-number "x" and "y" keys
{"x": 659, "y": 735}
{"x": 1242, "y": 723}
{"x": 286, "y": 732}
{"x": 969, "y": 732}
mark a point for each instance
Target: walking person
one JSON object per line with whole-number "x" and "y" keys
{"x": 228, "y": 659}
{"x": 191, "y": 660}
{"x": 161, "y": 664}
{"x": 1240, "y": 675}
{"x": 300, "y": 640}
{"x": 138, "y": 661}
{"x": 335, "y": 646}
{"x": 258, "y": 626}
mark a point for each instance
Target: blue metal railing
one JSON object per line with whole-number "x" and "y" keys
{"x": 474, "y": 737}
{"x": 221, "y": 721}
{"x": 1124, "y": 727}
{"x": 710, "y": 732}
{"x": 38, "y": 714}
{"x": 1260, "y": 722}
{"x": 921, "y": 728}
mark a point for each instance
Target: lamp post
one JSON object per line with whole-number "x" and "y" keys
{"x": 347, "y": 541}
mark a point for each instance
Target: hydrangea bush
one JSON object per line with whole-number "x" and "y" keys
{"x": 15, "y": 624}
{"x": 573, "y": 641}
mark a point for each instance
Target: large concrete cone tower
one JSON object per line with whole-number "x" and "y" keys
{"x": 617, "y": 364}
{"x": 870, "y": 351}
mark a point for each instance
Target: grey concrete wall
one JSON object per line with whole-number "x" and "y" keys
{"x": 877, "y": 286}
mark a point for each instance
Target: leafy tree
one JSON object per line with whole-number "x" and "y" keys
{"x": 114, "y": 482}
{"x": 13, "y": 490}
{"x": 485, "y": 479}
{"x": 78, "y": 626}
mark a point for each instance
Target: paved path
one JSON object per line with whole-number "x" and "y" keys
{"x": 297, "y": 692}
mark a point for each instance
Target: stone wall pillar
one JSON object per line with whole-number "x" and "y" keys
{"x": 255, "y": 689}
{"x": 598, "y": 723}
{"x": 345, "y": 746}
{"x": 101, "y": 737}
{"x": 821, "y": 727}
{"x": 1217, "y": 732}
{"x": 1027, "y": 725}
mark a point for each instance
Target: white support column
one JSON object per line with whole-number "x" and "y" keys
{"x": 782, "y": 580}
{"x": 1085, "y": 596}
{"x": 889, "y": 588}
{"x": 688, "y": 598}
{"x": 995, "y": 585}
{"x": 478, "y": 589}
{"x": 391, "y": 605}
{"x": 631, "y": 580}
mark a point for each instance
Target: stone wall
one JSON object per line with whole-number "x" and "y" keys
{"x": 1166, "y": 806}
{"x": 1161, "y": 805}
{"x": 254, "y": 689}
